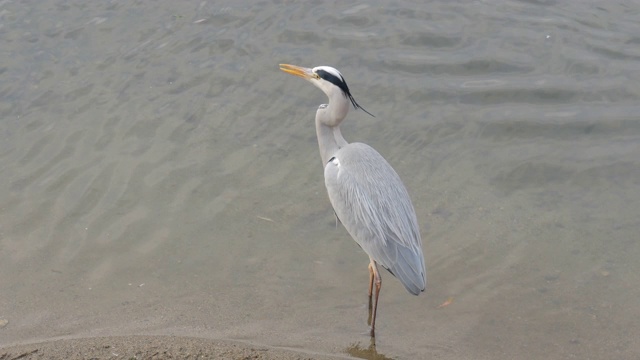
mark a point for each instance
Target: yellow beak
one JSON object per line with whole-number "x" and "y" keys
{"x": 302, "y": 72}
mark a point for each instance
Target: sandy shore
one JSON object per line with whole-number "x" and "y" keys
{"x": 148, "y": 347}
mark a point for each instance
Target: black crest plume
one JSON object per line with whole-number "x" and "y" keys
{"x": 342, "y": 84}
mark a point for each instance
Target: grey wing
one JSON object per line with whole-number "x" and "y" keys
{"x": 373, "y": 205}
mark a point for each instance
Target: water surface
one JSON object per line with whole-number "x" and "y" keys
{"x": 160, "y": 175}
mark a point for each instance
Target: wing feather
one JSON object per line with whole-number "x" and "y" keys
{"x": 374, "y": 206}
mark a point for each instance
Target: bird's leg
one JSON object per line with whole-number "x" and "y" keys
{"x": 371, "y": 276}
{"x": 378, "y": 282}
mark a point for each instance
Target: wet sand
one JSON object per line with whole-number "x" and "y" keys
{"x": 149, "y": 347}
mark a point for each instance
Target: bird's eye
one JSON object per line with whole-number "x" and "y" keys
{"x": 316, "y": 76}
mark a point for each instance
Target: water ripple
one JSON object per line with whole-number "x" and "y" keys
{"x": 160, "y": 145}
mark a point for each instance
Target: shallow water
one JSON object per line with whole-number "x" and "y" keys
{"x": 160, "y": 175}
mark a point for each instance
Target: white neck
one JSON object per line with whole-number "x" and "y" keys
{"x": 328, "y": 119}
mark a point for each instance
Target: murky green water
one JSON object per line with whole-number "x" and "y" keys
{"x": 160, "y": 175}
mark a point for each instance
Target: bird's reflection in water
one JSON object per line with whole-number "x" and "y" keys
{"x": 369, "y": 353}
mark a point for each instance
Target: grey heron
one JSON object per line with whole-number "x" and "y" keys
{"x": 367, "y": 195}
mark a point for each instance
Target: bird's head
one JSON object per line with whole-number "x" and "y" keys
{"x": 328, "y": 79}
